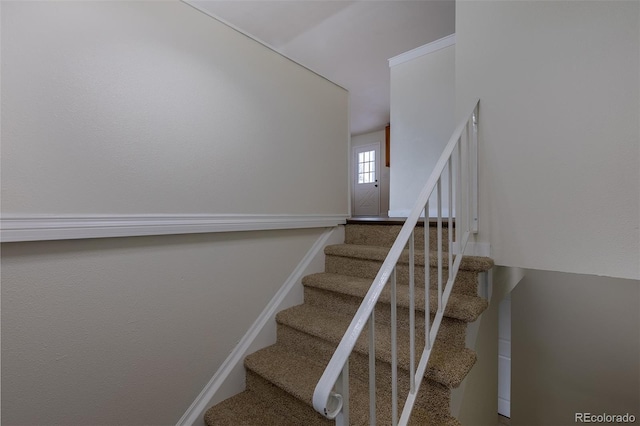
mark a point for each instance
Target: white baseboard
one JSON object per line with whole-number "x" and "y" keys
{"x": 474, "y": 249}
{"x": 432, "y": 213}
{"x": 229, "y": 379}
{"x": 398, "y": 213}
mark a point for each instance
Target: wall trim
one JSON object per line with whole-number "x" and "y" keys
{"x": 433, "y": 213}
{"x": 15, "y": 228}
{"x": 400, "y": 213}
{"x": 434, "y": 46}
{"x": 266, "y": 319}
{"x": 474, "y": 249}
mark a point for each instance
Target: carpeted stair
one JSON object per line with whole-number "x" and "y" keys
{"x": 281, "y": 378}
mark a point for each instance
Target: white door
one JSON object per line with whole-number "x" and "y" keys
{"x": 366, "y": 170}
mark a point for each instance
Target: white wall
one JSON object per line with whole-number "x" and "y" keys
{"x": 154, "y": 107}
{"x": 576, "y": 343}
{"x": 130, "y": 330}
{"x": 558, "y": 84}
{"x": 422, "y": 121}
{"x": 375, "y": 138}
{"x": 148, "y": 108}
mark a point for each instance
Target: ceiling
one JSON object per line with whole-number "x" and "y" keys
{"x": 347, "y": 42}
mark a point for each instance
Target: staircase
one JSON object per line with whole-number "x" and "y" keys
{"x": 280, "y": 379}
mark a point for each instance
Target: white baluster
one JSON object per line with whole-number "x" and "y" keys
{"x": 427, "y": 277}
{"x": 450, "y": 223}
{"x": 342, "y": 388}
{"x": 412, "y": 314}
{"x": 372, "y": 369}
{"x": 394, "y": 352}
{"x": 439, "y": 189}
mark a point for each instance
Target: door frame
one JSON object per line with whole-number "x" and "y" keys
{"x": 353, "y": 166}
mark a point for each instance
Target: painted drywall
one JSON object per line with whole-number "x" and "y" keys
{"x": 422, "y": 121}
{"x": 130, "y": 330}
{"x": 154, "y": 107}
{"x": 377, "y": 138}
{"x": 559, "y": 93}
{"x": 148, "y": 108}
{"x": 575, "y": 347}
{"x": 229, "y": 379}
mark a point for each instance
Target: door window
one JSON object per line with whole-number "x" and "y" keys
{"x": 367, "y": 167}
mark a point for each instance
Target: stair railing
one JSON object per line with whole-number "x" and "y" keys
{"x": 459, "y": 163}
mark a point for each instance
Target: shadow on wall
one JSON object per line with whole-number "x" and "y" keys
{"x": 575, "y": 347}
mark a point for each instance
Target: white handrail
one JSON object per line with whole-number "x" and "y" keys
{"x": 327, "y": 400}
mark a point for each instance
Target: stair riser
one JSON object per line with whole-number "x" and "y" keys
{"x": 466, "y": 281}
{"x": 290, "y": 404}
{"x": 433, "y": 396}
{"x": 280, "y": 378}
{"x": 292, "y": 407}
{"x": 385, "y": 236}
{"x": 451, "y": 330}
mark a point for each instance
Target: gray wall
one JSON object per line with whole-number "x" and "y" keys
{"x": 559, "y": 164}
{"x": 130, "y": 330}
{"x": 154, "y": 107}
{"x": 575, "y": 347}
{"x": 148, "y": 108}
{"x": 475, "y": 402}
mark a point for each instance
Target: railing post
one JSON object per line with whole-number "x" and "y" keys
{"x": 469, "y": 175}
{"x": 342, "y": 388}
{"x": 464, "y": 180}
{"x": 450, "y": 222}
{"x": 474, "y": 171}
{"x": 427, "y": 277}
{"x": 439, "y": 189}
{"x": 412, "y": 314}
{"x": 459, "y": 194}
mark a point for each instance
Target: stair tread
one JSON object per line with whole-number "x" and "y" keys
{"x": 281, "y": 378}
{"x": 462, "y": 307}
{"x": 378, "y": 253}
{"x": 447, "y": 365}
{"x": 247, "y": 408}
{"x": 298, "y": 376}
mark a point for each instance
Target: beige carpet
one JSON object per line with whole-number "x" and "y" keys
{"x": 281, "y": 378}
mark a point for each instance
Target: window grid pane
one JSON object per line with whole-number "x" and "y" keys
{"x": 366, "y": 167}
